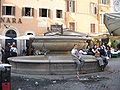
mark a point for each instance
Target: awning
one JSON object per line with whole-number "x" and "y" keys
{"x": 25, "y": 37}
{"x": 4, "y": 37}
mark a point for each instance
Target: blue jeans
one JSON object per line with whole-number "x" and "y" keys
{"x": 79, "y": 63}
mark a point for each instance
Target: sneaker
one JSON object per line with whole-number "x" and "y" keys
{"x": 102, "y": 69}
{"x": 78, "y": 73}
{"x": 0, "y": 62}
{"x": 78, "y": 77}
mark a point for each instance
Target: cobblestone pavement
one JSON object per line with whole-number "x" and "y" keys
{"x": 107, "y": 80}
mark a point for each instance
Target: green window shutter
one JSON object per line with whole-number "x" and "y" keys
{"x": 3, "y": 10}
{"x": 33, "y": 12}
{"x": 67, "y": 6}
{"x": 73, "y": 6}
{"x": 13, "y": 11}
{"x": 49, "y": 13}
{"x": 23, "y": 11}
{"x": 40, "y": 12}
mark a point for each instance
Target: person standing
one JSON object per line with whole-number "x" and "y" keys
{"x": 3, "y": 55}
{"x": 7, "y": 52}
{"x": 13, "y": 50}
{"x": 0, "y": 54}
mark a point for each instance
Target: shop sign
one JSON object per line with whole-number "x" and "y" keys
{"x": 10, "y": 20}
{"x": 56, "y": 28}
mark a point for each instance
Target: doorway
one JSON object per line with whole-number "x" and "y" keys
{"x": 12, "y": 34}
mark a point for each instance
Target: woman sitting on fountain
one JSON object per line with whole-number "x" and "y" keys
{"x": 77, "y": 56}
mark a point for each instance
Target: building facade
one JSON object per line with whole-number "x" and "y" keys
{"x": 84, "y": 18}
{"x": 25, "y": 17}
{"x": 104, "y": 7}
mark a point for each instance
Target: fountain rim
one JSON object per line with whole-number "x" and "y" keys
{"x": 47, "y": 59}
{"x": 61, "y": 37}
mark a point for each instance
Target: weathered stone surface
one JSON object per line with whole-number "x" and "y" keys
{"x": 51, "y": 65}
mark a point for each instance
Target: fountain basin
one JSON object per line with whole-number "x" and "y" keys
{"x": 58, "y": 43}
{"x": 53, "y": 64}
{"x": 56, "y": 59}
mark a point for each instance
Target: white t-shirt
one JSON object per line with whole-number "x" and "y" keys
{"x": 13, "y": 49}
{"x": 76, "y": 53}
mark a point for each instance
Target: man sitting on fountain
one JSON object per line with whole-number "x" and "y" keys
{"x": 99, "y": 59}
{"x": 77, "y": 56}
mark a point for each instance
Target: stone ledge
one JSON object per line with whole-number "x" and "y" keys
{"x": 64, "y": 65}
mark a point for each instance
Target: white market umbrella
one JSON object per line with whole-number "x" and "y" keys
{"x": 4, "y": 37}
{"x": 25, "y": 37}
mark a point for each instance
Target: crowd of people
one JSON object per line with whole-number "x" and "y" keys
{"x": 102, "y": 54}
{"x": 8, "y": 51}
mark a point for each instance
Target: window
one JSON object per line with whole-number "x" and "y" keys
{"x": 93, "y": 8}
{"x": 29, "y": 33}
{"x": 26, "y": 11}
{"x": 59, "y": 13}
{"x": 92, "y": 28}
{"x": 44, "y": 12}
{"x": 105, "y": 1}
{"x": 8, "y": 10}
{"x": 71, "y": 6}
{"x": 72, "y": 26}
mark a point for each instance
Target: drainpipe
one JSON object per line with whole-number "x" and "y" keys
{"x": 98, "y": 16}
{"x": 0, "y": 12}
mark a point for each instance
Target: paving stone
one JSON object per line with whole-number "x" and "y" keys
{"x": 107, "y": 80}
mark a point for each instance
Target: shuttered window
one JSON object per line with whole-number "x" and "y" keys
{"x": 105, "y": 1}
{"x": 70, "y": 6}
{"x": 26, "y": 11}
{"x": 44, "y": 12}
{"x": 92, "y": 25}
{"x": 58, "y": 13}
{"x": 93, "y": 8}
{"x": 8, "y": 10}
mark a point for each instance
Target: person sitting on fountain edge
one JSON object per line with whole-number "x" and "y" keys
{"x": 77, "y": 57}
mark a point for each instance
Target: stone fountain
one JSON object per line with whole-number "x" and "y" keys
{"x": 56, "y": 58}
